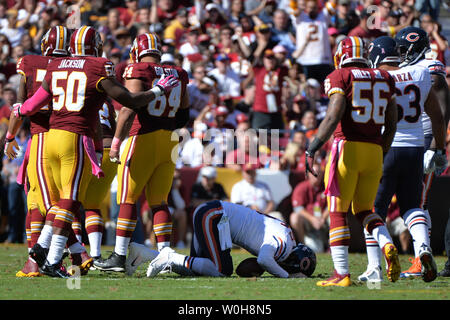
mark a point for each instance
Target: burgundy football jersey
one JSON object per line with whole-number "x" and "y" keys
{"x": 108, "y": 119}
{"x": 77, "y": 96}
{"x": 367, "y": 92}
{"x": 34, "y": 68}
{"x": 268, "y": 85}
{"x": 160, "y": 113}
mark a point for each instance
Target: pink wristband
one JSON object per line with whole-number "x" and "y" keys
{"x": 115, "y": 144}
{"x": 10, "y": 136}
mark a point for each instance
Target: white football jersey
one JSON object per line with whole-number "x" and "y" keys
{"x": 413, "y": 84}
{"x": 318, "y": 49}
{"x": 434, "y": 67}
{"x": 260, "y": 235}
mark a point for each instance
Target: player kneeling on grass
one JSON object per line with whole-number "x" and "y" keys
{"x": 217, "y": 226}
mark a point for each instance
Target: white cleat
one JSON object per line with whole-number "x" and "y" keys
{"x": 160, "y": 262}
{"x": 135, "y": 258}
{"x": 371, "y": 275}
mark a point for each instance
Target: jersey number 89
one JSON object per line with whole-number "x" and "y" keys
{"x": 158, "y": 105}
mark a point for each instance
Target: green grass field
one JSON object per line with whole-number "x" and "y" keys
{"x": 117, "y": 286}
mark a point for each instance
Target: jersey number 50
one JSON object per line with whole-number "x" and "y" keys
{"x": 157, "y": 106}
{"x": 372, "y": 106}
{"x": 73, "y": 101}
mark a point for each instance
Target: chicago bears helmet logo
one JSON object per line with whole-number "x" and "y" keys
{"x": 412, "y": 37}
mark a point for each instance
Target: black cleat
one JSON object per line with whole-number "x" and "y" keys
{"x": 444, "y": 273}
{"x": 115, "y": 262}
{"x": 98, "y": 259}
{"x": 56, "y": 270}
{"x": 39, "y": 254}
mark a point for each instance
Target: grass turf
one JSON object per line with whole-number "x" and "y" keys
{"x": 117, "y": 286}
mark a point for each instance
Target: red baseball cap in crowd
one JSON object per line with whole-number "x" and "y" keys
{"x": 221, "y": 111}
{"x": 241, "y": 117}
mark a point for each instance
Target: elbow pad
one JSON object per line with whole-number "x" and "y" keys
{"x": 182, "y": 118}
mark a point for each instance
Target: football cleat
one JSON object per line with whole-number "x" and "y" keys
{"x": 414, "y": 270}
{"x": 135, "y": 258}
{"x": 337, "y": 280}
{"x": 30, "y": 269}
{"x": 115, "y": 262}
{"x": 445, "y": 272}
{"x": 371, "y": 275}
{"x": 56, "y": 270}
{"x": 429, "y": 268}
{"x": 392, "y": 263}
{"x": 160, "y": 262}
{"x": 98, "y": 259}
{"x": 38, "y": 254}
{"x": 81, "y": 260}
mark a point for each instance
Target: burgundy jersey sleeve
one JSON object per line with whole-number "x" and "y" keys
{"x": 141, "y": 71}
{"x": 33, "y": 68}
{"x": 334, "y": 84}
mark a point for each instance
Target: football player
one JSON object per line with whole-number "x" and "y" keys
{"x": 403, "y": 164}
{"x": 218, "y": 225}
{"x": 414, "y": 44}
{"x": 362, "y": 100}
{"x": 98, "y": 188}
{"x": 146, "y": 163}
{"x": 41, "y": 193}
{"x": 77, "y": 87}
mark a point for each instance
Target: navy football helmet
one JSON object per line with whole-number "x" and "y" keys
{"x": 413, "y": 44}
{"x": 383, "y": 50}
{"x": 302, "y": 259}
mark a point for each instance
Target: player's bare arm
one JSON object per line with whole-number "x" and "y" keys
{"x": 437, "y": 119}
{"x": 118, "y": 92}
{"x": 390, "y": 125}
{"x": 336, "y": 109}
{"x": 124, "y": 121}
{"x": 443, "y": 95}
{"x": 15, "y": 122}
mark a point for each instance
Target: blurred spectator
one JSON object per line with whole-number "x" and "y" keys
{"x": 175, "y": 30}
{"x": 428, "y": 6}
{"x": 363, "y": 30}
{"x": 309, "y": 220}
{"x": 228, "y": 82}
{"x": 17, "y": 206}
{"x": 345, "y": 18}
{"x": 308, "y": 123}
{"x": 252, "y": 193}
{"x": 317, "y": 102}
{"x": 215, "y": 19}
{"x": 294, "y": 156}
{"x": 283, "y": 32}
{"x": 246, "y": 151}
{"x": 12, "y": 32}
{"x": 192, "y": 152}
{"x": 164, "y": 11}
{"x": 128, "y": 15}
{"x": 200, "y": 89}
{"x": 236, "y": 11}
{"x": 28, "y": 45}
{"x": 207, "y": 188}
{"x": 264, "y": 41}
{"x": 438, "y": 43}
{"x": 268, "y": 78}
{"x": 313, "y": 50}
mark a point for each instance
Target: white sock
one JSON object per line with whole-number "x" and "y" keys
{"x": 373, "y": 251}
{"x": 76, "y": 248}
{"x": 46, "y": 236}
{"x": 416, "y": 221}
{"x": 382, "y": 236}
{"x": 56, "y": 248}
{"x": 79, "y": 238}
{"x": 340, "y": 259}
{"x": 205, "y": 267}
{"x": 95, "y": 243}
{"x": 122, "y": 245}
{"x": 162, "y": 245}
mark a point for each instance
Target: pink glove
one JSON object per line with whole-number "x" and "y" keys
{"x": 167, "y": 84}
{"x": 16, "y": 110}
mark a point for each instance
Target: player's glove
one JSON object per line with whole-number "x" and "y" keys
{"x": 16, "y": 110}
{"x": 164, "y": 85}
{"x": 428, "y": 164}
{"x": 309, "y": 158}
{"x": 440, "y": 162}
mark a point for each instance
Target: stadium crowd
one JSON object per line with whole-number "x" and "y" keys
{"x": 232, "y": 50}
